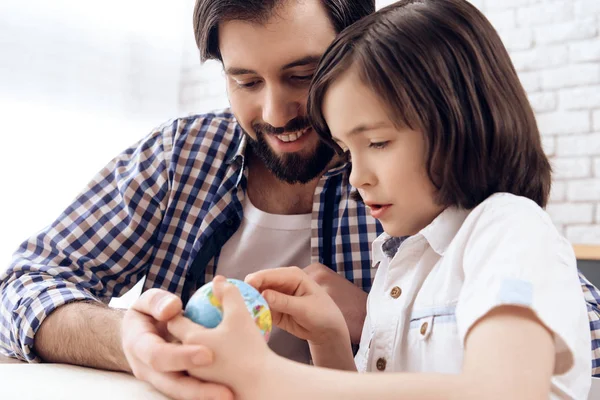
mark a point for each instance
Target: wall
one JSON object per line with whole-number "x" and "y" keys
{"x": 78, "y": 84}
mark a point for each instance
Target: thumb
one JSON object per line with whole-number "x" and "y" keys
{"x": 284, "y": 304}
{"x": 160, "y": 304}
{"x": 230, "y": 298}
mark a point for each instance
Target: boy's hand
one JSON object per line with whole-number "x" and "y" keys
{"x": 300, "y": 306}
{"x": 351, "y": 299}
{"x": 241, "y": 354}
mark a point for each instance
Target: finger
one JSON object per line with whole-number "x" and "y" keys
{"x": 168, "y": 357}
{"x": 180, "y": 386}
{"x": 284, "y": 304}
{"x": 186, "y": 330}
{"x": 286, "y": 280}
{"x": 276, "y": 317}
{"x": 158, "y": 303}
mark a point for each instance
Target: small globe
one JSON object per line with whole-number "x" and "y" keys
{"x": 203, "y": 307}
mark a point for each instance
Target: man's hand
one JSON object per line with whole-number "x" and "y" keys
{"x": 155, "y": 359}
{"x": 349, "y": 298}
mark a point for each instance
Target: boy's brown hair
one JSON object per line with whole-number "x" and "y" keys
{"x": 441, "y": 69}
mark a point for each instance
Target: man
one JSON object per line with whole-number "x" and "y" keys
{"x": 200, "y": 195}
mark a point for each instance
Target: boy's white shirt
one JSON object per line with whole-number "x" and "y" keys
{"x": 505, "y": 251}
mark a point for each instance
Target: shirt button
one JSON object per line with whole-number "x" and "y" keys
{"x": 424, "y": 328}
{"x": 381, "y": 363}
{"x": 396, "y": 292}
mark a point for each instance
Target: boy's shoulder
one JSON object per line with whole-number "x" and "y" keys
{"x": 513, "y": 218}
{"x": 510, "y": 207}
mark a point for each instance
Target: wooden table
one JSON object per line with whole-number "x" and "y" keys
{"x": 587, "y": 252}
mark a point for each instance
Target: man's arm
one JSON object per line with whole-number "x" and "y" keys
{"x": 83, "y": 333}
{"x": 134, "y": 341}
{"x": 95, "y": 250}
{"x": 53, "y": 297}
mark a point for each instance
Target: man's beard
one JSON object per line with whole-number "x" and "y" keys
{"x": 290, "y": 167}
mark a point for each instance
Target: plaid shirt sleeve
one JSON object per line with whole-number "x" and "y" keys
{"x": 592, "y": 298}
{"x": 99, "y": 246}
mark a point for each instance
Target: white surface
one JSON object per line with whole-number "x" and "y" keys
{"x": 14, "y": 378}
{"x": 46, "y": 382}
{"x": 67, "y": 382}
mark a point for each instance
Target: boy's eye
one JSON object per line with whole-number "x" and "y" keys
{"x": 378, "y": 145}
{"x": 302, "y": 78}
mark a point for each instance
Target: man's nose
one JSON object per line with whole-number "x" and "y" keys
{"x": 279, "y": 107}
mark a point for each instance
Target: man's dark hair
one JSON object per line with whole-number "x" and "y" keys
{"x": 209, "y": 13}
{"x": 441, "y": 69}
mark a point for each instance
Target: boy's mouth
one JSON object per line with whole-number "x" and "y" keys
{"x": 375, "y": 206}
{"x": 378, "y": 210}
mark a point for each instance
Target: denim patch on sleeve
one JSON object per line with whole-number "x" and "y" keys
{"x": 515, "y": 291}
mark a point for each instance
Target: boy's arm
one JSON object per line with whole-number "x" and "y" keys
{"x": 337, "y": 355}
{"x": 351, "y": 299}
{"x": 514, "y": 367}
{"x": 301, "y": 304}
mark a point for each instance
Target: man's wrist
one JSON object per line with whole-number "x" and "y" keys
{"x": 83, "y": 333}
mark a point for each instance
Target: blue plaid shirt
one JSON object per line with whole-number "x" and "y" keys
{"x": 163, "y": 209}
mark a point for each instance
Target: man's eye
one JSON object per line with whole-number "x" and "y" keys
{"x": 247, "y": 85}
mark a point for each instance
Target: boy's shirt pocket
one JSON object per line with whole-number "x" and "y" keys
{"x": 432, "y": 343}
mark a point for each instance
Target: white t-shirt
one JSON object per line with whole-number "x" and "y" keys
{"x": 265, "y": 241}
{"x": 441, "y": 281}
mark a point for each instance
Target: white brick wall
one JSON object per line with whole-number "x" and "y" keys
{"x": 202, "y": 86}
{"x": 555, "y": 47}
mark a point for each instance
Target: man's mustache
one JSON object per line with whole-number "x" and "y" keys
{"x": 294, "y": 125}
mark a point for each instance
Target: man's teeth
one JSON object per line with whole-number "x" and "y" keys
{"x": 291, "y": 137}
